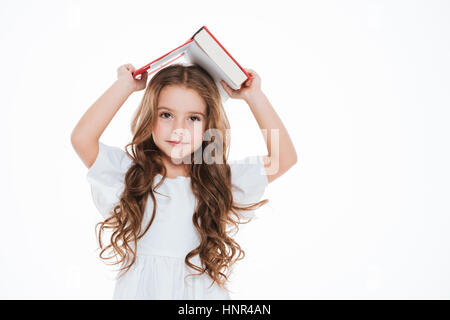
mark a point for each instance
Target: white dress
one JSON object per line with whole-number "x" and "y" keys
{"x": 159, "y": 270}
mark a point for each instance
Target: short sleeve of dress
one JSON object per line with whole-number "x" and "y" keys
{"x": 106, "y": 177}
{"x": 248, "y": 179}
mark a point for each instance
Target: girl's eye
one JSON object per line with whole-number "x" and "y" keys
{"x": 192, "y": 117}
{"x": 164, "y": 114}
{"x": 198, "y": 119}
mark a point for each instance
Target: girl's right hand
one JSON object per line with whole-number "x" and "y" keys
{"x": 125, "y": 75}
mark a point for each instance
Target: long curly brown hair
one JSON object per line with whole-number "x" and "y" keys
{"x": 210, "y": 183}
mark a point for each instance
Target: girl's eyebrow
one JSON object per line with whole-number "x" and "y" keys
{"x": 162, "y": 107}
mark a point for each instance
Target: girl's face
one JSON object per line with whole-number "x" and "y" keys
{"x": 182, "y": 118}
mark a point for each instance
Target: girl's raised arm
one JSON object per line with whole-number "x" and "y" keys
{"x": 86, "y": 134}
{"x": 281, "y": 151}
{"x": 281, "y": 154}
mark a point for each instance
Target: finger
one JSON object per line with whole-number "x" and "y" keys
{"x": 144, "y": 76}
{"x": 226, "y": 87}
{"x": 129, "y": 67}
{"x": 248, "y": 82}
{"x": 252, "y": 73}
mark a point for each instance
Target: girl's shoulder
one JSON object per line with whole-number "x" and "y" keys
{"x": 111, "y": 158}
{"x": 248, "y": 178}
{"x": 106, "y": 177}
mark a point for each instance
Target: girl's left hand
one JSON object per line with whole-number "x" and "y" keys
{"x": 249, "y": 88}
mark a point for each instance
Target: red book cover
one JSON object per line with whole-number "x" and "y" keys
{"x": 177, "y": 53}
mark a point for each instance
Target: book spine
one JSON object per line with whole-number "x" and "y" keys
{"x": 198, "y": 32}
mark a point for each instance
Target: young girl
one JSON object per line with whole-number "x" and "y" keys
{"x": 170, "y": 201}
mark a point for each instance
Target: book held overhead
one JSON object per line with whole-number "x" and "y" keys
{"x": 206, "y": 51}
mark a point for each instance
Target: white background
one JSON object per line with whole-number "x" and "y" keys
{"x": 361, "y": 86}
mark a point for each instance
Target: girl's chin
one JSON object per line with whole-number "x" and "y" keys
{"x": 178, "y": 154}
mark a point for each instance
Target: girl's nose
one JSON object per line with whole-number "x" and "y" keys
{"x": 178, "y": 133}
{"x": 179, "y": 124}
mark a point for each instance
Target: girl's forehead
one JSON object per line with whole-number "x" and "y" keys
{"x": 184, "y": 110}
{"x": 182, "y": 100}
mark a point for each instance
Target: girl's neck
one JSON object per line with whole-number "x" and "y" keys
{"x": 174, "y": 170}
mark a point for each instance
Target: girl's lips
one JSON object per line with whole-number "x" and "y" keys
{"x": 175, "y": 143}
